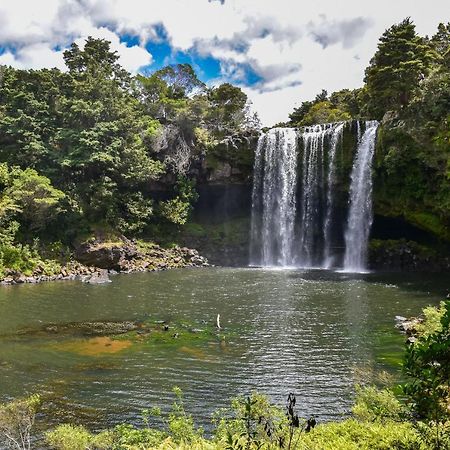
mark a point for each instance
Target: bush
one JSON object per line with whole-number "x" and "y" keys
{"x": 432, "y": 321}
{"x": 354, "y": 435}
{"x": 73, "y": 437}
{"x": 16, "y": 421}
{"x": 375, "y": 405}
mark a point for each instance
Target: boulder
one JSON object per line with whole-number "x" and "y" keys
{"x": 106, "y": 255}
{"x": 98, "y": 277}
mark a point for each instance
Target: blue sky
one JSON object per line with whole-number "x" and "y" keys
{"x": 281, "y": 52}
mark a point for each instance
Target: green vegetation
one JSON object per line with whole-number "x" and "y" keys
{"x": 95, "y": 149}
{"x": 89, "y": 148}
{"x": 407, "y": 88}
{"x": 16, "y": 421}
{"x": 427, "y": 363}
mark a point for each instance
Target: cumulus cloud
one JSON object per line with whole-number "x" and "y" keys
{"x": 347, "y": 31}
{"x": 36, "y": 33}
{"x": 281, "y": 52}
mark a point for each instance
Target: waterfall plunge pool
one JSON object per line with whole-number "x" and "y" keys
{"x": 305, "y": 331}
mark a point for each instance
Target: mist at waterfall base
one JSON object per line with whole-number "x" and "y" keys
{"x": 297, "y": 219}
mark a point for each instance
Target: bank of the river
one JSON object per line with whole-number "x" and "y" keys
{"x": 94, "y": 260}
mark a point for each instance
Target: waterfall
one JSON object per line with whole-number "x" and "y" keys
{"x": 295, "y": 199}
{"x": 314, "y": 206}
{"x": 273, "y": 199}
{"x": 336, "y": 138}
{"x": 360, "y": 213}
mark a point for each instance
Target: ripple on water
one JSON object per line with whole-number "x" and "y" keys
{"x": 288, "y": 331}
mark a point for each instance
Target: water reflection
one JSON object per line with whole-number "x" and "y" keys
{"x": 291, "y": 330}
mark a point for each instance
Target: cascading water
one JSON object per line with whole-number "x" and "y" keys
{"x": 283, "y": 234}
{"x": 273, "y": 200}
{"x": 360, "y": 213}
{"x": 315, "y": 190}
{"x": 336, "y": 138}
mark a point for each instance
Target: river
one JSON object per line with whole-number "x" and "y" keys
{"x": 309, "y": 332}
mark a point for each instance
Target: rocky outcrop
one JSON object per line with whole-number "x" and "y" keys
{"x": 99, "y": 277}
{"x": 126, "y": 255}
{"x": 405, "y": 255}
{"x": 106, "y": 255}
{"x": 409, "y": 326}
{"x": 97, "y": 259}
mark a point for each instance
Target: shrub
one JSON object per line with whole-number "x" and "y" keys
{"x": 16, "y": 421}
{"x": 73, "y": 437}
{"x": 373, "y": 405}
{"x": 354, "y": 435}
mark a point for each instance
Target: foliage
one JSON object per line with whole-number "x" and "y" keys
{"x": 30, "y": 198}
{"x": 403, "y": 59}
{"x": 374, "y": 405}
{"x": 340, "y": 106}
{"x": 432, "y": 322}
{"x": 355, "y": 435}
{"x": 177, "y": 209}
{"x": 251, "y": 422}
{"x": 179, "y": 429}
{"x": 324, "y": 112}
{"x": 16, "y": 421}
{"x": 427, "y": 363}
{"x": 73, "y": 437}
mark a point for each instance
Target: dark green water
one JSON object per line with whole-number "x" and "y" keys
{"x": 287, "y": 330}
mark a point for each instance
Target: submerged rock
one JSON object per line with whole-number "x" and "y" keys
{"x": 87, "y": 329}
{"x": 99, "y": 277}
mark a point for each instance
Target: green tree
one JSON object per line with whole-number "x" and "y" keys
{"x": 28, "y": 197}
{"x": 103, "y": 150}
{"x": 30, "y": 116}
{"x": 402, "y": 60}
{"x": 324, "y": 112}
{"x": 441, "y": 43}
{"x": 227, "y": 110}
{"x": 17, "y": 420}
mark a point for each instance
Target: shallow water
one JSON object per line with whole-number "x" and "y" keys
{"x": 307, "y": 332}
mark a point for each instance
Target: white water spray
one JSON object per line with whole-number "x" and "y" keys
{"x": 273, "y": 200}
{"x": 360, "y": 215}
{"x": 328, "y": 254}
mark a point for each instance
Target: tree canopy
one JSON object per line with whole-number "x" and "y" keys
{"x": 102, "y": 137}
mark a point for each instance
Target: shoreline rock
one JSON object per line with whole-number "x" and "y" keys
{"x": 408, "y": 326}
{"x": 127, "y": 258}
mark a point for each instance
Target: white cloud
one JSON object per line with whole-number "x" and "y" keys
{"x": 297, "y": 47}
{"x": 38, "y": 29}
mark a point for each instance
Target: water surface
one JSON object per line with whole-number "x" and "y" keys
{"x": 306, "y": 332}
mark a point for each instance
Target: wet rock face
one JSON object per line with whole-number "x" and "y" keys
{"x": 106, "y": 255}
{"x": 405, "y": 255}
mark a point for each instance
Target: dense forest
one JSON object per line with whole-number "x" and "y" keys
{"x": 80, "y": 149}
{"x": 94, "y": 148}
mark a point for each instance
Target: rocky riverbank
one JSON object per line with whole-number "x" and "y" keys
{"x": 94, "y": 260}
{"x": 403, "y": 255}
